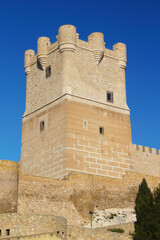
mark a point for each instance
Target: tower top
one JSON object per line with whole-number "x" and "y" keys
{"x": 77, "y": 68}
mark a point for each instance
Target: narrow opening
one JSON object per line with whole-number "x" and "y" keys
{"x": 57, "y": 232}
{"x": 41, "y": 126}
{"x": 48, "y": 71}
{"x": 85, "y": 124}
{"x": 101, "y": 130}
{"x": 110, "y": 97}
{"x": 8, "y": 232}
{"x": 0, "y": 232}
{"x": 62, "y": 233}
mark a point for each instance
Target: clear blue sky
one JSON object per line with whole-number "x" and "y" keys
{"x": 134, "y": 22}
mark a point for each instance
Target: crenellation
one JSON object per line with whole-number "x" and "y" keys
{"x": 150, "y": 151}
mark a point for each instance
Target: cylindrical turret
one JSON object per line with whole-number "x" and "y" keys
{"x": 42, "y": 50}
{"x": 96, "y": 42}
{"x": 67, "y": 38}
{"x": 27, "y": 60}
{"x": 120, "y": 48}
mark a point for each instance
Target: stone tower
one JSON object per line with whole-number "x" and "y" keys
{"x": 76, "y": 116}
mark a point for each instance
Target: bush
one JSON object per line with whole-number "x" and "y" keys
{"x": 117, "y": 230}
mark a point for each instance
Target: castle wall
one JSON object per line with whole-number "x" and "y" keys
{"x": 20, "y": 225}
{"x": 93, "y": 152}
{"x": 146, "y": 160}
{"x": 80, "y": 193}
{"x": 8, "y": 186}
{"x": 44, "y": 152}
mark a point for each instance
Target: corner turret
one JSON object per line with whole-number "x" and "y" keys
{"x": 42, "y": 45}
{"x": 120, "y": 49}
{"x": 96, "y": 42}
{"x": 67, "y": 38}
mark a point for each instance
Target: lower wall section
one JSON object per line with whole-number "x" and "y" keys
{"x": 73, "y": 197}
{"x": 49, "y": 236}
{"x": 77, "y": 233}
{"x": 13, "y": 225}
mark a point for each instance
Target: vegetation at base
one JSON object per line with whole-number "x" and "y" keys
{"x": 147, "y": 208}
{"x": 117, "y": 230}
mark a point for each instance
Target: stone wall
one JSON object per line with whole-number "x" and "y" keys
{"x": 77, "y": 233}
{"x": 80, "y": 193}
{"x": 15, "y": 225}
{"x": 8, "y": 186}
{"x": 103, "y": 153}
{"x": 44, "y": 151}
{"x": 49, "y": 236}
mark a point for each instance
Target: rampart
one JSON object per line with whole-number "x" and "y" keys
{"x": 78, "y": 194}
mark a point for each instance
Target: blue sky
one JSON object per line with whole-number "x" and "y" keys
{"x": 136, "y": 23}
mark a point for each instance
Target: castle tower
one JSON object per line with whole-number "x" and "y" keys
{"x": 76, "y": 116}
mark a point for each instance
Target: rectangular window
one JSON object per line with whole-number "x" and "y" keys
{"x": 0, "y": 233}
{"x": 48, "y": 71}
{"x": 101, "y": 130}
{"x": 110, "y": 97}
{"x": 41, "y": 126}
{"x": 8, "y": 232}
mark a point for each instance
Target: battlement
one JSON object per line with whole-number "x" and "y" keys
{"x": 68, "y": 40}
{"x": 147, "y": 150}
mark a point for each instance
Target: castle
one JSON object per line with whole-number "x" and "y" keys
{"x": 77, "y": 153}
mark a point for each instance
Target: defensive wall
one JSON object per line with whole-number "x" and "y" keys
{"x": 77, "y": 194}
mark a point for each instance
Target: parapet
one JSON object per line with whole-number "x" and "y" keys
{"x": 68, "y": 40}
{"x": 140, "y": 148}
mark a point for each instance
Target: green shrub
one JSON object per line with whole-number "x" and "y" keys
{"x": 117, "y": 230}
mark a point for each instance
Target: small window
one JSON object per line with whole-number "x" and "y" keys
{"x": 101, "y": 130}
{"x": 57, "y": 232}
{"x": 0, "y": 233}
{"x": 8, "y": 232}
{"x": 110, "y": 97}
{"x": 48, "y": 71}
{"x": 85, "y": 124}
{"x": 41, "y": 126}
